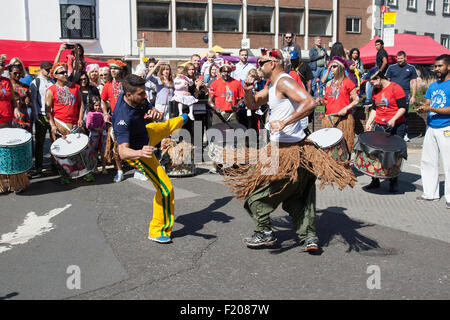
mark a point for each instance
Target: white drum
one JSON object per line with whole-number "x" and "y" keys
{"x": 332, "y": 141}
{"x": 73, "y": 155}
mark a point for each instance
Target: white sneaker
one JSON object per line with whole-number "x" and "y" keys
{"x": 406, "y": 138}
{"x": 259, "y": 112}
{"x": 118, "y": 177}
{"x": 191, "y": 116}
{"x": 139, "y": 175}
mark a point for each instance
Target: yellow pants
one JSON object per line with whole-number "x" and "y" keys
{"x": 164, "y": 201}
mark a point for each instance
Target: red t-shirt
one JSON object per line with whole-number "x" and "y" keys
{"x": 297, "y": 78}
{"x": 66, "y": 103}
{"x": 226, "y": 93}
{"x": 6, "y": 108}
{"x": 386, "y": 103}
{"x": 111, "y": 92}
{"x": 338, "y": 100}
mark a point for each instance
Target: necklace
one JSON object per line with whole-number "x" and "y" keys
{"x": 117, "y": 88}
{"x": 64, "y": 96}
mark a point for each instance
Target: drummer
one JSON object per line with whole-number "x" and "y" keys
{"x": 387, "y": 113}
{"x": 65, "y": 108}
{"x": 340, "y": 99}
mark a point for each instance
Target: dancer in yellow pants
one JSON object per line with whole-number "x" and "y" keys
{"x": 136, "y": 141}
{"x": 164, "y": 201}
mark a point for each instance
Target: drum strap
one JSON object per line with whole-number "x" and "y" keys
{"x": 62, "y": 124}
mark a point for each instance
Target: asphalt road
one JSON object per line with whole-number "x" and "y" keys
{"x": 89, "y": 241}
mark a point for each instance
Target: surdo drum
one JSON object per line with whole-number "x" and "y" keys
{"x": 331, "y": 140}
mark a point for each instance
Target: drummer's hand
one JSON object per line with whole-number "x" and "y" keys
{"x": 248, "y": 83}
{"x": 276, "y": 125}
{"x": 80, "y": 123}
{"x": 147, "y": 151}
{"x": 368, "y": 126}
{"x": 391, "y": 123}
{"x": 342, "y": 112}
{"x": 54, "y": 130}
{"x": 16, "y": 113}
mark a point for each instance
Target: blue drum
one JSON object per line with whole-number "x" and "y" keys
{"x": 15, "y": 151}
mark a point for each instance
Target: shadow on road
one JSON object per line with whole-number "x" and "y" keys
{"x": 194, "y": 222}
{"x": 9, "y": 296}
{"x": 331, "y": 223}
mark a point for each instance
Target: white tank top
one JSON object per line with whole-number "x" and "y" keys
{"x": 281, "y": 109}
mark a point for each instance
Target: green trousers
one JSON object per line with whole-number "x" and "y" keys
{"x": 298, "y": 199}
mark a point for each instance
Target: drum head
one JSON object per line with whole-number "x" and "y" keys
{"x": 72, "y": 144}
{"x": 223, "y": 128}
{"x": 13, "y": 137}
{"x": 326, "y": 137}
{"x": 382, "y": 141}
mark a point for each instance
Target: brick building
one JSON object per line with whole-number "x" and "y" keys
{"x": 176, "y": 29}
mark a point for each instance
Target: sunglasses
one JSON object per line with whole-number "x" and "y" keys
{"x": 261, "y": 63}
{"x": 62, "y": 72}
{"x": 288, "y": 37}
{"x": 16, "y": 73}
{"x": 334, "y": 66}
{"x": 83, "y": 79}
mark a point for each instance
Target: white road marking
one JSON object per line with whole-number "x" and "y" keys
{"x": 31, "y": 227}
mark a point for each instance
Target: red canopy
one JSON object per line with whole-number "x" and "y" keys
{"x": 32, "y": 53}
{"x": 419, "y": 49}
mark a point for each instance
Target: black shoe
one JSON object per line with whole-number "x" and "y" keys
{"x": 259, "y": 239}
{"x": 374, "y": 184}
{"x": 310, "y": 244}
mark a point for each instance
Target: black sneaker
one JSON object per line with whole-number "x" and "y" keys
{"x": 373, "y": 185}
{"x": 310, "y": 244}
{"x": 259, "y": 239}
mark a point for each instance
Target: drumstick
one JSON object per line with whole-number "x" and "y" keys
{"x": 63, "y": 136}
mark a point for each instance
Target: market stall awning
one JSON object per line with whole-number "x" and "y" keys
{"x": 32, "y": 53}
{"x": 419, "y": 49}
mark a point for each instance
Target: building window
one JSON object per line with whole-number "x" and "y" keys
{"x": 446, "y": 7}
{"x": 227, "y": 17}
{"x": 78, "y": 20}
{"x": 320, "y": 23}
{"x": 153, "y": 15}
{"x": 445, "y": 40}
{"x": 291, "y": 20}
{"x": 393, "y": 3}
{"x": 430, "y": 6}
{"x": 353, "y": 25}
{"x": 429, "y": 34}
{"x": 260, "y": 19}
{"x": 412, "y": 5}
{"x": 191, "y": 16}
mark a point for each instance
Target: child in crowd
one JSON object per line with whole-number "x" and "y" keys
{"x": 23, "y": 121}
{"x": 97, "y": 130}
{"x": 182, "y": 94}
{"x": 207, "y": 64}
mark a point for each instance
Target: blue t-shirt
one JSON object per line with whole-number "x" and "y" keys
{"x": 129, "y": 124}
{"x": 402, "y": 75}
{"x": 439, "y": 94}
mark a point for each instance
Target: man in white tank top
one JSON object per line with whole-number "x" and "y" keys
{"x": 288, "y": 104}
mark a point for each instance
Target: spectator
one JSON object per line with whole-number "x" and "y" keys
{"x": 437, "y": 137}
{"x": 75, "y": 59}
{"x": 209, "y": 61}
{"x": 87, "y": 90}
{"x": 243, "y": 66}
{"x": 290, "y": 44}
{"x": 93, "y": 72}
{"x": 224, "y": 94}
{"x": 23, "y": 121}
{"x": 105, "y": 76}
{"x": 405, "y": 75}
{"x": 38, "y": 89}
{"x": 318, "y": 61}
{"x": 195, "y": 60}
{"x": 15, "y": 74}
{"x": 181, "y": 94}
{"x": 198, "y": 89}
{"x": 97, "y": 130}
{"x": 355, "y": 55}
{"x": 164, "y": 87}
{"x": 150, "y": 87}
{"x": 382, "y": 64}
{"x": 213, "y": 74}
{"x": 302, "y": 69}
{"x": 17, "y": 62}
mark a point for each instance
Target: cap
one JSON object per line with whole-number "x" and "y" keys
{"x": 46, "y": 65}
{"x": 294, "y": 54}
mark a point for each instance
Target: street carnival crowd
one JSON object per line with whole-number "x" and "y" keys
{"x": 127, "y": 120}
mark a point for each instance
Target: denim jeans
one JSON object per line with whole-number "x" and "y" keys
{"x": 318, "y": 73}
{"x": 369, "y": 90}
